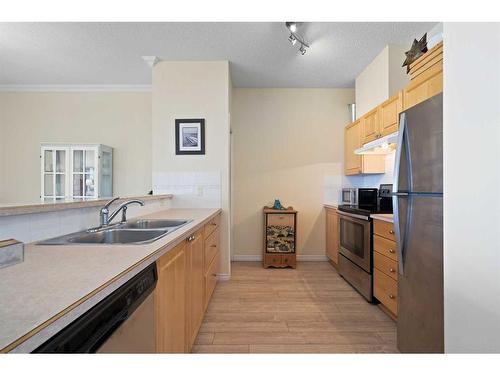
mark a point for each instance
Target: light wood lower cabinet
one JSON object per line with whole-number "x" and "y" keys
{"x": 170, "y": 301}
{"x": 195, "y": 287}
{"x": 187, "y": 276}
{"x": 332, "y": 235}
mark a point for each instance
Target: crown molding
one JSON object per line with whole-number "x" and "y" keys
{"x": 74, "y": 88}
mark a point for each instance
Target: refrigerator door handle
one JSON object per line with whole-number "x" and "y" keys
{"x": 397, "y": 159}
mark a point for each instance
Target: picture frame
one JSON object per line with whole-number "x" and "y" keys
{"x": 190, "y": 136}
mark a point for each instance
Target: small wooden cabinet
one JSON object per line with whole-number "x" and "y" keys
{"x": 359, "y": 164}
{"x": 332, "y": 236}
{"x": 280, "y": 238}
{"x": 187, "y": 276}
{"x": 385, "y": 267}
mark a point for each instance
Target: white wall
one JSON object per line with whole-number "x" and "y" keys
{"x": 372, "y": 85}
{"x": 381, "y": 79}
{"x": 288, "y": 144}
{"x": 471, "y": 185}
{"x": 189, "y": 89}
{"x": 121, "y": 120}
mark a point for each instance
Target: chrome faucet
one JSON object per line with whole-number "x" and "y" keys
{"x": 106, "y": 218}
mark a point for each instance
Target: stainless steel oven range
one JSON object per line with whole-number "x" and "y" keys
{"x": 355, "y": 237}
{"x": 355, "y": 252}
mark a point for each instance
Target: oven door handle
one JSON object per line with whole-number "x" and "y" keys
{"x": 361, "y": 217}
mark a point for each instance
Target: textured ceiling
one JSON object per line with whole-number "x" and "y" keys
{"x": 259, "y": 53}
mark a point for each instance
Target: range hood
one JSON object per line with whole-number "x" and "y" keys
{"x": 380, "y": 146}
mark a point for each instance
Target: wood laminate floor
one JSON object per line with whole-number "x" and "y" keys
{"x": 307, "y": 310}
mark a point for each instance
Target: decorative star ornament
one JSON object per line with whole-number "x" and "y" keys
{"x": 418, "y": 48}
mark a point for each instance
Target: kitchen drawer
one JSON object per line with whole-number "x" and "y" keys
{"x": 386, "y": 265}
{"x": 212, "y": 225}
{"x": 211, "y": 278}
{"x": 384, "y": 229}
{"x": 281, "y": 219}
{"x": 385, "y": 247}
{"x": 211, "y": 248}
{"x": 385, "y": 290}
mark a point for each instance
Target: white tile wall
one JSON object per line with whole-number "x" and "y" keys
{"x": 190, "y": 189}
{"x": 40, "y": 226}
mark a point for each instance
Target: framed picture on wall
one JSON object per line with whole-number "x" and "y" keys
{"x": 190, "y": 136}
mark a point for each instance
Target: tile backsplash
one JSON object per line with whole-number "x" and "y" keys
{"x": 39, "y": 226}
{"x": 190, "y": 189}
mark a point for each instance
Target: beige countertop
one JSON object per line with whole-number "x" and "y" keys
{"x": 384, "y": 217}
{"x": 53, "y": 284}
{"x": 8, "y": 209}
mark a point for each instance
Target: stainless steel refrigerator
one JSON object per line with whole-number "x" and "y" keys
{"x": 418, "y": 223}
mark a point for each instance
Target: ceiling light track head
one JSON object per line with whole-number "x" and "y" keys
{"x": 295, "y": 37}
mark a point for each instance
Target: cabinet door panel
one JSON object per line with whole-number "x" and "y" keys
{"x": 196, "y": 285}
{"x": 389, "y": 114}
{"x": 332, "y": 235}
{"x": 170, "y": 302}
{"x": 370, "y": 126}
{"x": 352, "y": 140}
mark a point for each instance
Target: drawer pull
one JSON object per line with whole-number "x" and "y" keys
{"x": 214, "y": 224}
{"x": 214, "y": 275}
{"x": 392, "y": 270}
{"x": 391, "y": 232}
{"x": 391, "y": 251}
{"x": 213, "y": 245}
{"x": 391, "y": 296}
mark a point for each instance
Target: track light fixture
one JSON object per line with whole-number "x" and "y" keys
{"x": 294, "y": 37}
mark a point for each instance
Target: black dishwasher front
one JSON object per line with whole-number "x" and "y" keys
{"x": 89, "y": 332}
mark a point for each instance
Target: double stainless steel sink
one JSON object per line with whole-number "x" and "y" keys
{"x": 134, "y": 232}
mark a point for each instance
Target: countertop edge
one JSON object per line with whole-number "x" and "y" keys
{"x": 24, "y": 209}
{"x": 330, "y": 205}
{"x": 22, "y": 345}
{"x": 382, "y": 218}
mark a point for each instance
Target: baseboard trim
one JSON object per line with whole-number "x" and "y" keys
{"x": 300, "y": 258}
{"x": 223, "y": 277}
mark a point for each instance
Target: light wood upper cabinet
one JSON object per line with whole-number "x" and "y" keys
{"x": 382, "y": 120}
{"x": 332, "y": 235}
{"x": 426, "y": 77}
{"x": 352, "y": 139}
{"x": 389, "y": 114}
{"x": 195, "y": 285}
{"x": 170, "y": 301}
{"x": 359, "y": 164}
{"x": 370, "y": 126}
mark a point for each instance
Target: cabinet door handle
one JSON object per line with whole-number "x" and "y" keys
{"x": 391, "y": 232}
{"x": 391, "y": 296}
{"x": 214, "y": 275}
{"x": 391, "y": 251}
{"x": 391, "y": 270}
{"x": 213, "y": 245}
{"x": 214, "y": 224}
